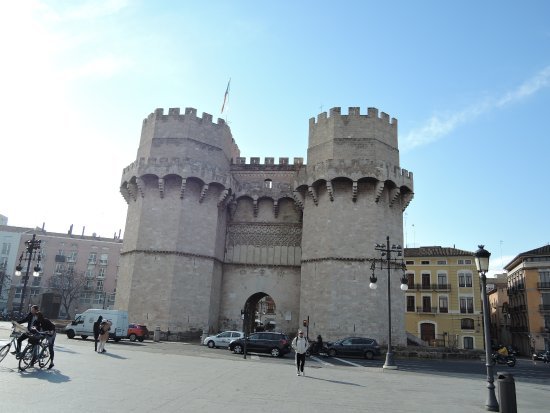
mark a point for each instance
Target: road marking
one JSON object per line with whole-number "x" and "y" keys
{"x": 348, "y": 362}
{"x": 321, "y": 361}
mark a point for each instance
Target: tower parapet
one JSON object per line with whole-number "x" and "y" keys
{"x": 352, "y": 136}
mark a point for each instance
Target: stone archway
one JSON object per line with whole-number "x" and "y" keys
{"x": 259, "y": 313}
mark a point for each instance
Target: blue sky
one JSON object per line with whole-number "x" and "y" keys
{"x": 468, "y": 81}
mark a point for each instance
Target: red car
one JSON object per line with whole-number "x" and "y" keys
{"x": 137, "y": 332}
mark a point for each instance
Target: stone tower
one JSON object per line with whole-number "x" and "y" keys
{"x": 353, "y": 195}
{"x": 171, "y": 262}
{"x": 208, "y": 235}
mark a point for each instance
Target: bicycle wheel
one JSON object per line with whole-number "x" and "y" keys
{"x": 44, "y": 356}
{"x": 4, "y": 351}
{"x": 26, "y": 358}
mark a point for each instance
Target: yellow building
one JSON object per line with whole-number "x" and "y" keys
{"x": 529, "y": 299}
{"x": 443, "y": 302}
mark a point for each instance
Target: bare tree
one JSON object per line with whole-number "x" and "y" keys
{"x": 4, "y": 279}
{"x": 69, "y": 284}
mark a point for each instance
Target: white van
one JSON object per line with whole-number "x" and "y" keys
{"x": 83, "y": 324}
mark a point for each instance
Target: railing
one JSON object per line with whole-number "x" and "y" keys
{"x": 426, "y": 310}
{"x": 431, "y": 287}
{"x": 443, "y": 310}
{"x": 518, "y": 329}
{"x": 466, "y": 311}
{"x": 103, "y": 262}
{"x": 543, "y": 308}
{"x": 543, "y": 285}
{"x": 517, "y": 308}
{"x": 92, "y": 262}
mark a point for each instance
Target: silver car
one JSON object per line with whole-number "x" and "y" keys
{"x": 222, "y": 339}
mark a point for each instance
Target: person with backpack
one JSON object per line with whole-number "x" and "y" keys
{"x": 300, "y": 346}
{"x": 44, "y": 325}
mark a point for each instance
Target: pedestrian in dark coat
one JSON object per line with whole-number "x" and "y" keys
{"x": 96, "y": 331}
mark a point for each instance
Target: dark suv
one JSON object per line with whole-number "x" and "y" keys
{"x": 276, "y": 344}
{"x": 354, "y": 346}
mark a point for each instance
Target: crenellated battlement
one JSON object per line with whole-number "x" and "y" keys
{"x": 353, "y": 112}
{"x": 268, "y": 161}
{"x": 190, "y": 114}
{"x": 355, "y": 135}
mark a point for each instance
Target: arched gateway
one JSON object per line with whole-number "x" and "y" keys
{"x": 207, "y": 232}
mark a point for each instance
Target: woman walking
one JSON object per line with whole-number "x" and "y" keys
{"x": 104, "y": 328}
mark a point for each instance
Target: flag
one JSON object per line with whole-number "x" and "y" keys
{"x": 226, "y": 95}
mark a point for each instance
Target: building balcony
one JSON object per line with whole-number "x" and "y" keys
{"x": 103, "y": 262}
{"x": 431, "y": 310}
{"x": 92, "y": 262}
{"x": 431, "y": 287}
{"x": 543, "y": 286}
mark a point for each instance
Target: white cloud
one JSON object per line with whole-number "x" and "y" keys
{"x": 439, "y": 126}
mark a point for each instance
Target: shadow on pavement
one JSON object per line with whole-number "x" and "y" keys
{"x": 333, "y": 381}
{"x": 53, "y": 375}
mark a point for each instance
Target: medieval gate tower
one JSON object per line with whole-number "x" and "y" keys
{"x": 209, "y": 235}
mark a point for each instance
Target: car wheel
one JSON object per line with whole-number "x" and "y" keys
{"x": 132, "y": 337}
{"x": 332, "y": 352}
{"x": 84, "y": 337}
{"x": 275, "y": 352}
{"x": 211, "y": 344}
{"x": 70, "y": 333}
{"x": 237, "y": 349}
{"x": 369, "y": 355}
{"x": 140, "y": 339}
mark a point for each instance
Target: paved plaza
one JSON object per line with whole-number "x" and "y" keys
{"x": 178, "y": 377}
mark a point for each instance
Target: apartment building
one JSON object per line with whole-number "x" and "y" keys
{"x": 529, "y": 299}
{"x": 497, "y": 293}
{"x": 443, "y": 302}
{"x": 90, "y": 262}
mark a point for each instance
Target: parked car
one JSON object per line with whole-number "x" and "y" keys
{"x": 354, "y": 346}
{"x": 137, "y": 332}
{"x": 542, "y": 355}
{"x": 276, "y": 344}
{"x": 222, "y": 339}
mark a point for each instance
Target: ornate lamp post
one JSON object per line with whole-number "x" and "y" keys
{"x": 482, "y": 264}
{"x": 386, "y": 254}
{"x": 31, "y": 253}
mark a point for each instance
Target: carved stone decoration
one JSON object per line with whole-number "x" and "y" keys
{"x": 132, "y": 191}
{"x": 407, "y": 198}
{"x": 232, "y": 206}
{"x": 204, "y": 190}
{"x": 298, "y": 199}
{"x": 378, "y": 190}
{"x": 354, "y": 191}
{"x": 182, "y": 189}
{"x": 265, "y": 235}
{"x": 255, "y": 204}
{"x": 223, "y": 197}
{"x": 394, "y": 195}
{"x": 161, "y": 187}
{"x": 139, "y": 184}
{"x": 330, "y": 190}
{"x": 313, "y": 194}
{"x": 275, "y": 208}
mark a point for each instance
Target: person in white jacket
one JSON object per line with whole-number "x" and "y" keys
{"x": 300, "y": 345}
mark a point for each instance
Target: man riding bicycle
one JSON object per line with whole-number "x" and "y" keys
{"x": 43, "y": 325}
{"x": 29, "y": 319}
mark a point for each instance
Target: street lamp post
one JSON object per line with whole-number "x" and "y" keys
{"x": 386, "y": 254}
{"x": 31, "y": 253}
{"x": 482, "y": 264}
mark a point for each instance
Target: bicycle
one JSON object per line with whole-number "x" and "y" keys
{"x": 35, "y": 351}
{"x": 16, "y": 332}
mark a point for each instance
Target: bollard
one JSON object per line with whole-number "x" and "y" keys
{"x": 156, "y": 334}
{"x": 506, "y": 393}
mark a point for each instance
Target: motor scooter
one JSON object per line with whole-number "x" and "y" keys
{"x": 509, "y": 360}
{"x": 314, "y": 350}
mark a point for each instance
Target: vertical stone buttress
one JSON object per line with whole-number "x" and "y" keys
{"x": 354, "y": 195}
{"x": 171, "y": 261}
